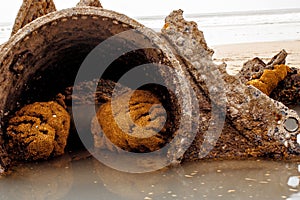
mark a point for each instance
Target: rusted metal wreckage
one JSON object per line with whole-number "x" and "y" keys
{"x": 226, "y": 119}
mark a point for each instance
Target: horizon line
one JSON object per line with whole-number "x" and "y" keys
{"x": 224, "y": 13}
{"x": 235, "y": 12}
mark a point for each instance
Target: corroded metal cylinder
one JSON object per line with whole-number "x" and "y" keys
{"x": 43, "y": 57}
{"x": 230, "y": 120}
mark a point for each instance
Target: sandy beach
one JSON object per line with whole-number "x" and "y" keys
{"x": 235, "y": 55}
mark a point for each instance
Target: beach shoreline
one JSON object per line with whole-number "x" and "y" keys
{"x": 235, "y": 55}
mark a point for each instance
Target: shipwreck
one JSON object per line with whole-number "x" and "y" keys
{"x": 188, "y": 109}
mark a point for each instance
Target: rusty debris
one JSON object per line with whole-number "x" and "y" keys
{"x": 40, "y": 61}
{"x": 258, "y": 118}
{"x": 288, "y": 90}
{"x": 270, "y": 79}
{"x": 31, "y": 10}
{"x": 253, "y": 69}
{"x": 95, "y": 3}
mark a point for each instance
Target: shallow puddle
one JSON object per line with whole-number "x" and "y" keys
{"x": 89, "y": 179}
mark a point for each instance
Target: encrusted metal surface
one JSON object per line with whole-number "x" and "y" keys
{"x": 42, "y": 45}
{"x": 256, "y": 116}
{"x": 31, "y": 10}
{"x": 23, "y": 48}
{"x": 254, "y": 68}
{"x": 288, "y": 91}
{"x": 95, "y": 3}
{"x": 250, "y": 123}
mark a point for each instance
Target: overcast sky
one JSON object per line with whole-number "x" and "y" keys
{"x": 9, "y": 9}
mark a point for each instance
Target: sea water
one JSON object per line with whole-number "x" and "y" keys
{"x": 5, "y": 30}
{"x": 227, "y": 28}
{"x": 90, "y": 179}
{"x": 241, "y": 27}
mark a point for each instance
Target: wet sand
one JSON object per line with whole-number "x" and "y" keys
{"x": 237, "y": 54}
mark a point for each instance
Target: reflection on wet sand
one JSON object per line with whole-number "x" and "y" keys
{"x": 46, "y": 180}
{"x": 210, "y": 180}
{"x": 90, "y": 179}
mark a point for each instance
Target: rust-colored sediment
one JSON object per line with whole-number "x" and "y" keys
{"x": 38, "y": 131}
{"x": 130, "y": 127}
{"x": 270, "y": 79}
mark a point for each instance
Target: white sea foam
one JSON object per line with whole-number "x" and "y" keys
{"x": 228, "y": 28}
{"x": 5, "y": 30}
{"x": 241, "y": 27}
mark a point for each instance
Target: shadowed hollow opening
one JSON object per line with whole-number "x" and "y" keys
{"x": 46, "y": 63}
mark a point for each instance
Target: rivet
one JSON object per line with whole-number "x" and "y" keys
{"x": 291, "y": 124}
